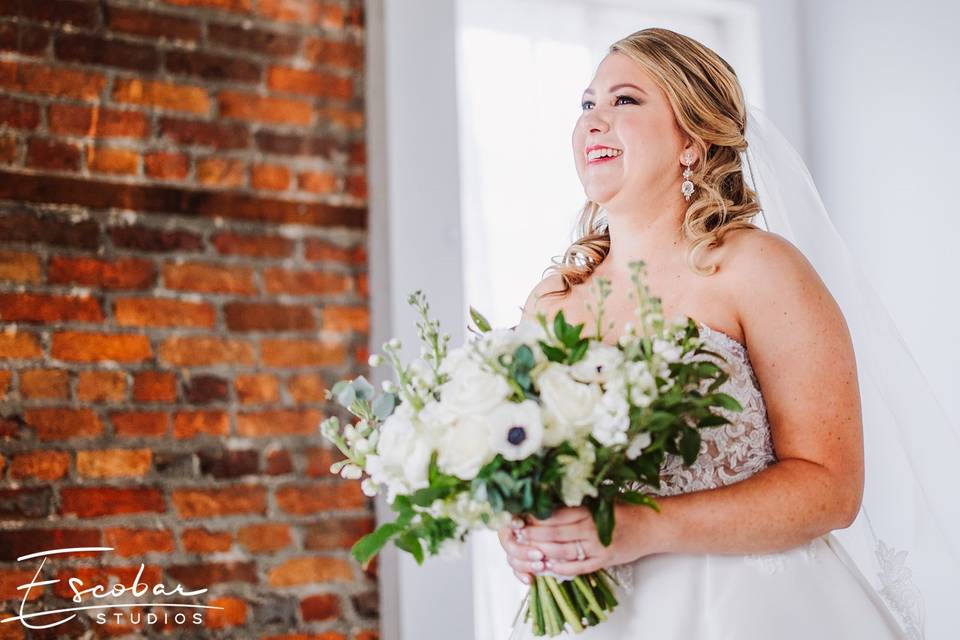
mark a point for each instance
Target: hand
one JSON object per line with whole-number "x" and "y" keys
{"x": 522, "y": 557}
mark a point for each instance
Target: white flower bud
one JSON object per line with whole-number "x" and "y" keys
{"x": 351, "y": 472}
{"x": 375, "y": 360}
{"x": 369, "y": 487}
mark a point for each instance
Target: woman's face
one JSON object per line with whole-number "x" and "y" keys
{"x": 638, "y": 123}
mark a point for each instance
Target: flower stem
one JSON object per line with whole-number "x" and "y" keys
{"x": 565, "y": 605}
{"x": 550, "y": 612}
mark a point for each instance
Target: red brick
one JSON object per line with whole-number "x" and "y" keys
{"x": 204, "y": 541}
{"x": 158, "y": 240}
{"x": 163, "y": 312}
{"x": 52, "y": 154}
{"x": 102, "y": 386}
{"x": 258, "y": 246}
{"x": 47, "y": 309}
{"x": 278, "y": 422}
{"x": 301, "y": 353}
{"x": 221, "y": 172}
{"x": 23, "y": 38}
{"x": 334, "y": 53}
{"x": 80, "y": 346}
{"x": 260, "y": 41}
{"x": 306, "y": 283}
{"x": 17, "y": 542}
{"x": 162, "y": 95}
{"x": 318, "y": 182}
{"x": 97, "y": 122}
{"x": 257, "y": 389}
{"x": 17, "y": 345}
{"x": 232, "y": 613}
{"x": 356, "y": 187}
{"x": 297, "y": 11}
{"x": 123, "y": 273}
{"x": 323, "y": 606}
{"x": 187, "y": 351}
{"x": 140, "y": 423}
{"x": 79, "y": 14}
{"x": 92, "y": 502}
{"x": 190, "y": 424}
{"x": 136, "y": 542}
{"x": 60, "y": 424}
{"x": 204, "y": 389}
{"x": 270, "y": 176}
{"x": 309, "y": 83}
{"x": 221, "y": 501}
{"x": 45, "y": 383}
{"x": 307, "y": 387}
{"x": 166, "y": 166}
{"x": 212, "y": 66}
{"x": 116, "y": 161}
{"x": 229, "y": 463}
{"x": 89, "y": 49}
{"x": 25, "y": 503}
{"x": 239, "y": 6}
{"x": 345, "y": 117}
{"x": 52, "y": 229}
{"x": 320, "y": 496}
{"x": 154, "y": 386}
{"x": 339, "y": 318}
{"x": 249, "y": 106}
{"x": 114, "y": 463}
{"x": 150, "y": 24}
{"x": 9, "y": 149}
{"x": 205, "y": 134}
{"x": 278, "y": 462}
{"x": 10, "y": 579}
{"x": 268, "y": 536}
{"x": 19, "y": 114}
{"x": 44, "y": 465}
{"x": 56, "y": 81}
{"x": 5, "y": 378}
{"x": 310, "y": 569}
{"x": 339, "y": 533}
{"x": 319, "y": 460}
{"x": 17, "y": 266}
{"x": 257, "y": 316}
{"x": 208, "y": 278}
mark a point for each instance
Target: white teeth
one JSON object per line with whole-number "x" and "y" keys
{"x": 602, "y": 153}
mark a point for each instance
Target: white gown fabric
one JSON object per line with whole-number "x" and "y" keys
{"x": 811, "y": 591}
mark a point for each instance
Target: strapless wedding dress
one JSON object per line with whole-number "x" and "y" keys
{"x": 811, "y": 592}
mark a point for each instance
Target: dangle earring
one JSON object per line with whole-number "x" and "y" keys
{"x": 687, "y": 186}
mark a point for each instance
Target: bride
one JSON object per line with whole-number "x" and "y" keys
{"x": 743, "y": 546}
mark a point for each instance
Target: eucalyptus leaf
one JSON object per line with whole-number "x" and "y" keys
{"x": 383, "y": 406}
{"x": 482, "y": 323}
{"x": 363, "y": 389}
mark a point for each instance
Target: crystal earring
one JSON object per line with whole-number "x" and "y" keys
{"x": 687, "y": 186}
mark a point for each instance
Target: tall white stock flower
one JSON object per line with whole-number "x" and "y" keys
{"x": 577, "y": 475}
{"x": 402, "y": 459}
{"x": 667, "y": 349}
{"x": 598, "y": 364}
{"x": 473, "y": 390}
{"x": 640, "y": 442}
{"x": 567, "y": 402}
{"x": 516, "y": 429}
{"x": 643, "y": 386}
{"x": 464, "y": 447}
{"x": 612, "y": 417}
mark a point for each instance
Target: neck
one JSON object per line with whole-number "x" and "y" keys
{"x": 650, "y": 233}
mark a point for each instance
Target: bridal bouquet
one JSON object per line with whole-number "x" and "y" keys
{"x": 525, "y": 421}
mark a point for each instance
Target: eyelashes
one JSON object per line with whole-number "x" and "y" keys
{"x": 583, "y": 105}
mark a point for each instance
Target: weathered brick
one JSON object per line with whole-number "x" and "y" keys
{"x": 92, "y": 502}
{"x": 342, "y": 318}
{"x": 279, "y": 422}
{"x": 190, "y": 424}
{"x": 114, "y": 463}
{"x": 137, "y": 542}
{"x": 18, "y": 542}
{"x": 356, "y": 186}
{"x": 188, "y": 351}
{"x": 19, "y": 345}
{"x": 212, "y": 66}
{"x": 320, "y": 496}
{"x": 154, "y": 386}
{"x": 309, "y": 569}
{"x": 53, "y": 155}
{"x": 155, "y": 240}
{"x": 366, "y": 604}
{"x": 322, "y": 606}
{"x": 19, "y": 114}
{"x": 163, "y": 312}
{"x": 319, "y": 459}
{"x": 307, "y": 387}
{"x": 257, "y": 388}
{"x": 47, "y": 465}
{"x": 262, "y": 316}
{"x": 140, "y": 423}
{"x": 46, "y": 309}
{"x": 10, "y": 579}
{"x": 199, "y": 540}
{"x": 301, "y": 353}
{"x": 204, "y": 389}
{"x": 318, "y": 182}
{"x": 259, "y": 41}
{"x": 340, "y": 533}
{"x": 297, "y": 11}
{"x": 162, "y": 95}
{"x": 270, "y": 176}
{"x": 18, "y": 266}
{"x": 239, "y": 6}
{"x": 212, "y": 573}
{"x": 117, "y": 161}
{"x": 250, "y": 106}
{"x": 208, "y": 278}
{"x": 229, "y": 463}
{"x": 351, "y": 119}
{"x": 90, "y": 49}
{"x": 217, "y": 135}
{"x": 232, "y": 612}
{"x": 25, "y": 503}
{"x": 9, "y": 148}
{"x": 101, "y": 386}
{"x": 78, "y": 14}
{"x": 309, "y": 83}
{"x": 81, "y": 346}
{"x": 306, "y": 283}
{"x": 278, "y": 462}
{"x": 259, "y": 246}
{"x": 23, "y": 38}
{"x": 150, "y": 24}
{"x": 166, "y": 166}
{"x": 334, "y": 53}
{"x": 265, "y": 537}
{"x": 95, "y": 121}
{"x": 52, "y": 229}
{"x": 222, "y": 501}
{"x": 55, "y": 81}
{"x": 221, "y": 172}
{"x": 5, "y": 378}
{"x": 123, "y": 273}
{"x": 45, "y": 383}
{"x": 61, "y": 424}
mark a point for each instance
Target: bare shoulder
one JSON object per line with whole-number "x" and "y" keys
{"x": 538, "y": 300}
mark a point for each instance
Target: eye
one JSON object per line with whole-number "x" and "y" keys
{"x": 584, "y": 104}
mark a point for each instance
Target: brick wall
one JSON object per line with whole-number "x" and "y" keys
{"x": 182, "y": 273}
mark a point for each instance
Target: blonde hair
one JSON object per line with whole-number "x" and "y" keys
{"x": 708, "y": 104}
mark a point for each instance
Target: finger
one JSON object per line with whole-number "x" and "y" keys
{"x": 563, "y": 550}
{"x": 525, "y": 578}
{"x": 563, "y": 533}
{"x": 562, "y": 516}
{"x": 526, "y": 566}
{"x": 573, "y": 567}
{"x": 520, "y": 551}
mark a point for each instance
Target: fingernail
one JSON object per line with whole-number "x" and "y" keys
{"x": 537, "y": 566}
{"x": 525, "y": 578}
{"x": 517, "y": 523}
{"x": 549, "y": 564}
{"x": 535, "y": 554}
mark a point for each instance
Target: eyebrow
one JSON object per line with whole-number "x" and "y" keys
{"x": 589, "y": 92}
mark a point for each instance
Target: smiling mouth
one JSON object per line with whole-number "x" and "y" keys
{"x": 606, "y": 154}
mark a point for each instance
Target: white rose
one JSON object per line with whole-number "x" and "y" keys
{"x": 578, "y": 473}
{"x": 472, "y": 390}
{"x": 570, "y": 402}
{"x": 464, "y": 447}
{"x": 402, "y": 459}
{"x": 516, "y": 429}
{"x": 597, "y": 364}
{"x": 612, "y": 419}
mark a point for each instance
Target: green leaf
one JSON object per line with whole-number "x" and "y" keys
{"x": 560, "y": 327}
{"x": 689, "y": 445}
{"x": 604, "y": 519}
{"x": 726, "y": 401}
{"x": 347, "y": 395}
{"x": 370, "y": 544}
{"x": 554, "y": 354}
{"x": 578, "y": 351}
{"x": 712, "y": 420}
{"x": 383, "y": 405}
{"x": 482, "y": 323}
{"x": 363, "y": 389}
{"x": 635, "y": 497}
{"x": 409, "y": 542}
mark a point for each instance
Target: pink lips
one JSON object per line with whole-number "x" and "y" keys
{"x": 604, "y": 158}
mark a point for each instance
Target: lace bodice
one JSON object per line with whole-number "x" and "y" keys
{"x": 732, "y": 452}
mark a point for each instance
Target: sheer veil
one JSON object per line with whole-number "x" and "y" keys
{"x": 906, "y": 538}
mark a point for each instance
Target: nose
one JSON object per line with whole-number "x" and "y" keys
{"x": 595, "y": 122}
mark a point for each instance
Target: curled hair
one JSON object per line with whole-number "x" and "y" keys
{"x": 708, "y": 105}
